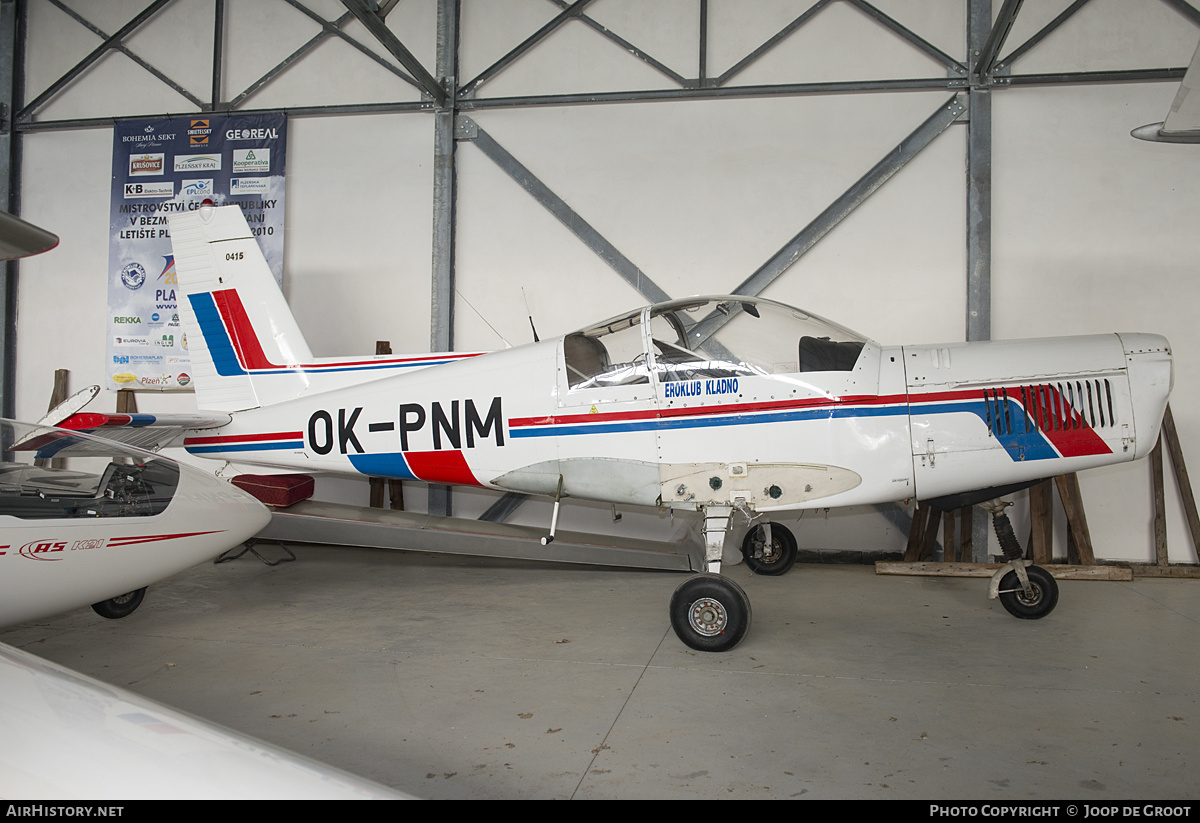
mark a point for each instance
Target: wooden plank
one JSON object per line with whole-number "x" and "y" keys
{"x": 59, "y": 392}
{"x": 126, "y": 402}
{"x": 1171, "y": 437}
{"x": 949, "y": 539}
{"x": 1167, "y": 571}
{"x": 1068, "y": 493}
{"x": 929, "y": 539}
{"x": 1041, "y": 515}
{"x": 916, "y": 533}
{"x": 966, "y": 533}
{"x": 1058, "y": 571}
{"x": 1160, "y": 509}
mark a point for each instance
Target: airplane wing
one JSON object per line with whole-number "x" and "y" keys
{"x": 21, "y": 239}
{"x": 1183, "y": 120}
{"x": 144, "y": 431}
{"x": 71, "y": 736}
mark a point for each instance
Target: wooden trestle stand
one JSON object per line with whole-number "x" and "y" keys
{"x": 1081, "y": 560}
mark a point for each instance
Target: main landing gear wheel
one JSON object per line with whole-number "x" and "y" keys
{"x": 1043, "y": 601}
{"x": 120, "y": 606}
{"x": 710, "y": 613}
{"x": 774, "y": 558}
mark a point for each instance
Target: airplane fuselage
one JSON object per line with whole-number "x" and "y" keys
{"x": 650, "y": 428}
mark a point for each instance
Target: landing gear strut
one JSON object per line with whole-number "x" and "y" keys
{"x": 1025, "y": 590}
{"x": 711, "y": 613}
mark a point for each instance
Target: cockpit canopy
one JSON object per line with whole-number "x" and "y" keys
{"x": 123, "y": 481}
{"x": 708, "y": 337}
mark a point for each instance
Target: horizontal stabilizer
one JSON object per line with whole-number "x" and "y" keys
{"x": 144, "y": 431}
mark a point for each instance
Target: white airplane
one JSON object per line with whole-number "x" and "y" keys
{"x": 70, "y": 538}
{"x": 731, "y": 406}
{"x": 71, "y": 737}
{"x": 74, "y": 537}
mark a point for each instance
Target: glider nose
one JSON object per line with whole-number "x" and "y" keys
{"x": 1151, "y": 372}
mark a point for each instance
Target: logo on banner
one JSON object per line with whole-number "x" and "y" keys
{"x": 198, "y": 133}
{"x": 197, "y": 162}
{"x": 183, "y": 379}
{"x": 196, "y": 188}
{"x": 251, "y": 134}
{"x": 166, "y": 189}
{"x": 146, "y": 164}
{"x": 168, "y": 274}
{"x": 133, "y": 276}
{"x": 249, "y": 160}
{"x": 249, "y": 185}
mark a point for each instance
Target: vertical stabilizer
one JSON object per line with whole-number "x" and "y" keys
{"x": 245, "y": 346}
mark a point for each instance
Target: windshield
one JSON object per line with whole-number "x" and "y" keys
{"x": 729, "y": 337}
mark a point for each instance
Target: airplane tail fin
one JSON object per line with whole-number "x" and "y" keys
{"x": 245, "y": 346}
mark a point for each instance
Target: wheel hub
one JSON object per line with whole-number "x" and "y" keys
{"x": 708, "y": 617}
{"x": 1029, "y": 600}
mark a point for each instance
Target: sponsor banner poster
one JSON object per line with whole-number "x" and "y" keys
{"x": 167, "y": 165}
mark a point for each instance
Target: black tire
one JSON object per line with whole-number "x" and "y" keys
{"x": 710, "y": 613}
{"x": 774, "y": 559}
{"x": 120, "y": 606}
{"x": 1045, "y": 594}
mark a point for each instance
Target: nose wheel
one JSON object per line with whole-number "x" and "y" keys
{"x": 710, "y": 613}
{"x": 1025, "y": 590}
{"x": 1028, "y": 604}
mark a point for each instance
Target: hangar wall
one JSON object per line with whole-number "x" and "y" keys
{"x": 1092, "y": 230}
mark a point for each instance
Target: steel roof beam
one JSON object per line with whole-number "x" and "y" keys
{"x": 218, "y": 53}
{"x": 1186, "y": 9}
{"x": 12, "y": 41}
{"x": 529, "y": 42}
{"x": 288, "y": 61}
{"x": 335, "y": 28}
{"x": 985, "y": 64}
{"x": 469, "y": 130}
{"x": 1029, "y": 44}
{"x": 909, "y": 36}
{"x": 95, "y": 55}
{"x": 868, "y": 184}
{"x": 627, "y": 46}
{"x": 772, "y": 42}
{"x": 167, "y": 81}
{"x": 374, "y": 24}
{"x": 440, "y": 498}
{"x": 1083, "y": 77}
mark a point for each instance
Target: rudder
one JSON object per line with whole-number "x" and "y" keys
{"x": 245, "y": 347}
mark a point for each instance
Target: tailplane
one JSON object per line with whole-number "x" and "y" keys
{"x": 245, "y": 347}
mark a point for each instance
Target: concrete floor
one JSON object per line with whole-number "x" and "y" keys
{"x": 455, "y": 677}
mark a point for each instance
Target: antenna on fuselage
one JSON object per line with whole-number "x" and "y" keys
{"x": 507, "y": 345}
{"x": 530, "y": 313}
